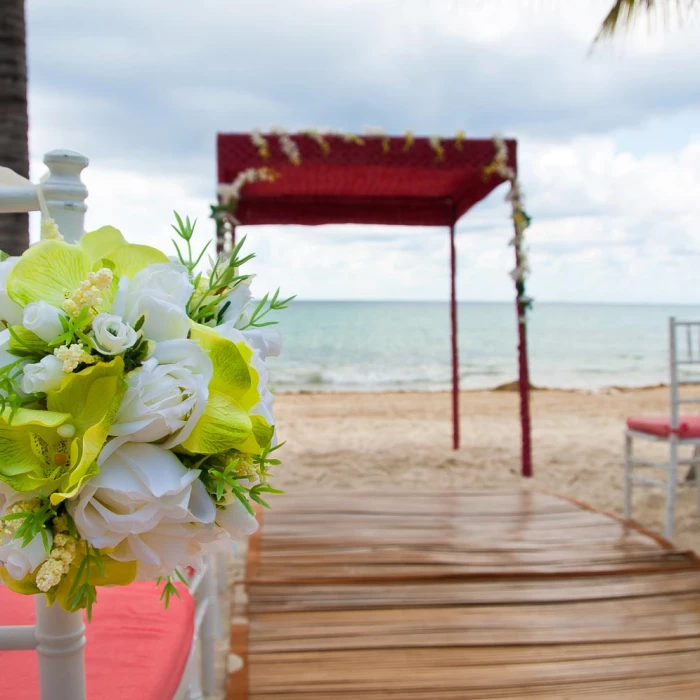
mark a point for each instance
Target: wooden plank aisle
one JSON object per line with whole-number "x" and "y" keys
{"x": 475, "y": 594}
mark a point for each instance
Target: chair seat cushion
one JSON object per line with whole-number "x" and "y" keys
{"x": 135, "y": 648}
{"x": 688, "y": 426}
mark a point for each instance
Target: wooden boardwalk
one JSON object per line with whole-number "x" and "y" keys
{"x": 477, "y": 594}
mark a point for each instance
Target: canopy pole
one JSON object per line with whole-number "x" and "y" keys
{"x": 523, "y": 374}
{"x": 455, "y": 351}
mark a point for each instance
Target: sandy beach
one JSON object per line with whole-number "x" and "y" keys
{"x": 348, "y": 441}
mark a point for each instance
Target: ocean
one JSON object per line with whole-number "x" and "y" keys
{"x": 400, "y": 346}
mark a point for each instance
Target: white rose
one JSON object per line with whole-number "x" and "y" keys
{"x": 236, "y": 303}
{"x": 10, "y": 311}
{"x": 43, "y": 320}
{"x": 165, "y": 397}
{"x": 146, "y": 505}
{"x": 20, "y": 561}
{"x": 43, "y": 376}
{"x": 160, "y": 293}
{"x": 112, "y": 335}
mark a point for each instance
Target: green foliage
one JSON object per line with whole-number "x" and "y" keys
{"x": 264, "y": 307}
{"x": 34, "y": 522}
{"x": 170, "y": 589}
{"x": 74, "y": 330}
{"x": 222, "y": 474}
{"x": 83, "y": 594}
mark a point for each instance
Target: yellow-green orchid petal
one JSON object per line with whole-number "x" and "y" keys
{"x": 260, "y": 437}
{"x": 97, "y": 391}
{"x": 233, "y": 374}
{"x": 224, "y": 426}
{"x": 46, "y": 272}
{"x": 132, "y": 258}
{"x": 25, "y": 586}
{"x": 30, "y": 447}
{"x": 24, "y": 343}
{"x": 100, "y": 243}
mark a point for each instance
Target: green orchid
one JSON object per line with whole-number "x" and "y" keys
{"x": 226, "y": 423}
{"x": 51, "y": 270}
{"x": 56, "y": 449}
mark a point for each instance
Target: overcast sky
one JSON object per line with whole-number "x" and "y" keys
{"x": 609, "y": 139}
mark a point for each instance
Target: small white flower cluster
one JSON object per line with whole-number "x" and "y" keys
{"x": 89, "y": 293}
{"x": 49, "y": 230}
{"x": 500, "y": 166}
{"x": 73, "y": 356}
{"x": 260, "y": 142}
{"x": 289, "y": 148}
{"x": 56, "y": 566}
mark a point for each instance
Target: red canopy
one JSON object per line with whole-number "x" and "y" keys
{"x": 375, "y": 180}
{"x": 362, "y": 184}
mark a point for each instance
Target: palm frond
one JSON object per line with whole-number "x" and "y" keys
{"x": 624, "y": 12}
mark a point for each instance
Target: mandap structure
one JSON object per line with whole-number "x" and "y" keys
{"x": 311, "y": 178}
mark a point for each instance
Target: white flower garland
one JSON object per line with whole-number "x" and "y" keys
{"x": 232, "y": 193}
{"x": 289, "y": 148}
{"x": 260, "y": 142}
{"x": 377, "y": 132}
{"x": 500, "y": 166}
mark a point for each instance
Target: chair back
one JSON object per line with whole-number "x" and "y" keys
{"x": 684, "y": 360}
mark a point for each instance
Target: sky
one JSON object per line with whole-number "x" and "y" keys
{"x": 609, "y": 136}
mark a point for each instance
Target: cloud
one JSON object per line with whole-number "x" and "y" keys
{"x": 609, "y": 143}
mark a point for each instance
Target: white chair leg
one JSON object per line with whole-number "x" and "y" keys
{"x": 60, "y": 637}
{"x": 221, "y": 571}
{"x": 208, "y": 635}
{"x": 672, "y": 486}
{"x": 628, "y": 476}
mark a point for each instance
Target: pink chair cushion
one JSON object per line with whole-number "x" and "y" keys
{"x": 688, "y": 427}
{"x": 134, "y": 648}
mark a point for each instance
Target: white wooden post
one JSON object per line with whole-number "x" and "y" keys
{"x": 60, "y": 636}
{"x": 64, "y": 193}
{"x": 60, "y": 640}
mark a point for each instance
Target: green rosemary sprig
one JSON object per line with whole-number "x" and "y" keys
{"x": 264, "y": 307}
{"x": 83, "y": 594}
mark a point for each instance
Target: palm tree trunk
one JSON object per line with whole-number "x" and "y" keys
{"x": 14, "y": 122}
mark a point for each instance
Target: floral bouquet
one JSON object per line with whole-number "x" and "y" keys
{"x": 135, "y": 423}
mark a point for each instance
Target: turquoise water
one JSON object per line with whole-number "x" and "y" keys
{"x": 374, "y": 346}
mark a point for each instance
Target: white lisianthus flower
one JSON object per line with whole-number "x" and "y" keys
{"x": 268, "y": 343}
{"x": 165, "y": 397}
{"x": 20, "y": 561}
{"x": 160, "y": 293}
{"x": 43, "y": 376}
{"x": 149, "y": 507}
{"x": 43, "y": 320}
{"x": 10, "y": 311}
{"x": 112, "y": 335}
{"x": 235, "y": 519}
{"x": 236, "y": 302}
